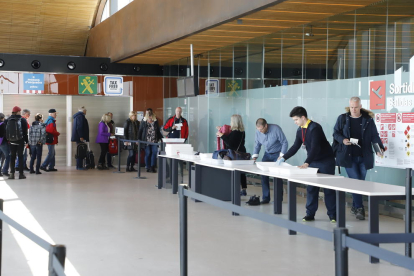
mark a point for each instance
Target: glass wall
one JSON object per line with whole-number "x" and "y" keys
{"x": 318, "y": 66}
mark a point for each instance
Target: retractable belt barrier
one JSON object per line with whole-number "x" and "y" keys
{"x": 340, "y": 237}
{"x": 57, "y": 253}
{"x": 138, "y": 142}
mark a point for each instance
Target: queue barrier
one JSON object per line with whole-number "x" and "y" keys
{"x": 139, "y": 142}
{"x": 341, "y": 239}
{"x": 57, "y": 253}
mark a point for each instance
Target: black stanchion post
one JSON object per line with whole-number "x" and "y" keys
{"x": 139, "y": 162}
{"x": 1, "y": 234}
{"x": 119, "y": 157}
{"x": 341, "y": 252}
{"x": 60, "y": 252}
{"x": 408, "y": 209}
{"x": 183, "y": 231}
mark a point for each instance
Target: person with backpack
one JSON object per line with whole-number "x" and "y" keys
{"x": 80, "y": 134}
{"x": 131, "y": 128}
{"x": 355, "y": 133}
{"x": 4, "y": 146}
{"x": 51, "y": 141}
{"x": 25, "y": 114}
{"x": 37, "y": 138}
{"x": 149, "y": 131}
{"x": 16, "y": 134}
{"x": 104, "y": 132}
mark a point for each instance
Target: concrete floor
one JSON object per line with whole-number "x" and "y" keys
{"x": 113, "y": 224}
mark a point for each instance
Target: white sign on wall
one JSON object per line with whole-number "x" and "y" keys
{"x": 113, "y": 86}
{"x": 212, "y": 87}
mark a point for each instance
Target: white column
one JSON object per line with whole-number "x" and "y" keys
{"x": 131, "y": 104}
{"x": 68, "y": 131}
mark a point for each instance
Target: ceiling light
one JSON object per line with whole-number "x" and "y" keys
{"x": 36, "y": 64}
{"x": 310, "y": 33}
{"x": 104, "y": 66}
{"x": 71, "y": 65}
{"x": 1, "y": 63}
{"x": 136, "y": 68}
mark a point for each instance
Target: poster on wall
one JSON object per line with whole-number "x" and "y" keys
{"x": 87, "y": 85}
{"x": 33, "y": 83}
{"x": 212, "y": 87}
{"x": 140, "y": 115}
{"x": 9, "y": 83}
{"x": 113, "y": 86}
{"x": 396, "y": 131}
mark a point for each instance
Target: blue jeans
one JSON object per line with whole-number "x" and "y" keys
{"x": 151, "y": 156}
{"x": 326, "y": 166}
{"x": 24, "y": 158}
{"x": 36, "y": 154}
{"x": 5, "y": 148}
{"x": 50, "y": 158}
{"x": 357, "y": 171}
{"x": 268, "y": 157}
{"x": 131, "y": 158}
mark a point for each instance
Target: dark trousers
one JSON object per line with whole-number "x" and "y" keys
{"x": 36, "y": 154}
{"x": 268, "y": 157}
{"x": 109, "y": 159}
{"x": 243, "y": 180}
{"x": 131, "y": 158}
{"x": 326, "y": 166}
{"x": 16, "y": 149}
{"x": 104, "y": 151}
{"x": 79, "y": 161}
{"x": 151, "y": 156}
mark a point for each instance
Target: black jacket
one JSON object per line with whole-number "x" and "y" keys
{"x": 369, "y": 136}
{"x": 3, "y": 132}
{"x": 80, "y": 127}
{"x": 235, "y": 140}
{"x": 317, "y": 147}
{"x": 129, "y": 132}
{"x": 143, "y": 131}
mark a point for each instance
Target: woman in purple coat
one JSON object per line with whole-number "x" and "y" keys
{"x": 104, "y": 132}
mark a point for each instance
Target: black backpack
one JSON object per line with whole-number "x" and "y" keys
{"x": 81, "y": 151}
{"x": 254, "y": 201}
{"x": 14, "y": 130}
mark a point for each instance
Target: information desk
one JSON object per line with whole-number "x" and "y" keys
{"x": 229, "y": 181}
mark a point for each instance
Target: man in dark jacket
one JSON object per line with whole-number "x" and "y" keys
{"x": 355, "y": 132}
{"x": 80, "y": 132}
{"x": 16, "y": 133}
{"x": 4, "y": 146}
{"x": 310, "y": 137}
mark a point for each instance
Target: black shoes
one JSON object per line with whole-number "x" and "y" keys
{"x": 22, "y": 176}
{"x": 132, "y": 169}
{"x": 332, "y": 219}
{"x": 148, "y": 169}
{"x": 265, "y": 201}
{"x": 38, "y": 173}
{"x": 153, "y": 169}
{"x": 26, "y": 168}
{"x": 360, "y": 213}
{"x": 52, "y": 170}
{"x": 44, "y": 169}
{"x": 11, "y": 176}
{"x": 308, "y": 218}
{"x": 100, "y": 167}
{"x": 32, "y": 172}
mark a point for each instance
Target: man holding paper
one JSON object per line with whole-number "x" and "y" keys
{"x": 357, "y": 136}
{"x": 176, "y": 125}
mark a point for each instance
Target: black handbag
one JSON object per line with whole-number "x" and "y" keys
{"x": 254, "y": 200}
{"x": 49, "y": 138}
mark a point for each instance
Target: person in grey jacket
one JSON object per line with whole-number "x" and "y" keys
{"x": 131, "y": 128}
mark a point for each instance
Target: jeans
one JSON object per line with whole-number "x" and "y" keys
{"x": 326, "y": 166}
{"x": 16, "y": 149}
{"x": 50, "y": 158}
{"x": 36, "y": 154}
{"x": 24, "y": 158}
{"x": 357, "y": 171}
{"x": 104, "y": 151}
{"x": 151, "y": 156}
{"x": 131, "y": 158}
{"x": 269, "y": 157}
{"x": 5, "y": 148}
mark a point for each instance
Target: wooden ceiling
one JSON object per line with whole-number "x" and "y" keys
{"x": 283, "y": 16}
{"x": 49, "y": 27}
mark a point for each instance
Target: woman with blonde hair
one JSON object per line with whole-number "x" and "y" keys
{"x": 104, "y": 132}
{"x": 149, "y": 131}
{"x": 235, "y": 141}
{"x": 131, "y": 128}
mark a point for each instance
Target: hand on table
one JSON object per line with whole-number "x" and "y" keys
{"x": 304, "y": 166}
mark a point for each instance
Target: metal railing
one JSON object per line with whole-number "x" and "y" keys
{"x": 364, "y": 243}
{"x": 138, "y": 142}
{"x": 57, "y": 253}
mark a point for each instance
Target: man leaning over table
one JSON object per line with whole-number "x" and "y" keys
{"x": 311, "y": 138}
{"x": 274, "y": 141}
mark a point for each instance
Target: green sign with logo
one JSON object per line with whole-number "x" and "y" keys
{"x": 232, "y": 86}
{"x": 88, "y": 85}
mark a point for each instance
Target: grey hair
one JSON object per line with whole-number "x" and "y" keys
{"x": 82, "y": 108}
{"x": 2, "y": 116}
{"x": 25, "y": 111}
{"x": 355, "y": 99}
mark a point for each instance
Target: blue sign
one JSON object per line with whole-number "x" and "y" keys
{"x": 33, "y": 83}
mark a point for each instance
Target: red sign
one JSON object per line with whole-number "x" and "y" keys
{"x": 377, "y": 94}
{"x": 382, "y": 127}
{"x": 408, "y": 117}
{"x": 388, "y": 118}
{"x": 393, "y": 134}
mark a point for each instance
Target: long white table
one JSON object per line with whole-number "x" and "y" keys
{"x": 374, "y": 190}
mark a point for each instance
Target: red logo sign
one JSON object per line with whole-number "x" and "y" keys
{"x": 377, "y": 92}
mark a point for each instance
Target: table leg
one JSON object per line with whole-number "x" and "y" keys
{"x": 292, "y": 203}
{"x": 277, "y": 195}
{"x": 161, "y": 175}
{"x": 174, "y": 175}
{"x": 235, "y": 189}
{"x": 197, "y": 181}
{"x": 340, "y": 209}
{"x": 189, "y": 173}
{"x": 373, "y": 222}
{"x": 182, "y": 171}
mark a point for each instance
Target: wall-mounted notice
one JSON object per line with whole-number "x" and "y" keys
{"x": 9, "y": 83}
{"x": 113, "y": 86}
{"x": 140, "y": 115}
{"x": 33, "y": 83}
{"x": 396, "y": 131}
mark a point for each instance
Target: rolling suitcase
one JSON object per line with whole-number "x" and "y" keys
{"x": 90, "y": 159}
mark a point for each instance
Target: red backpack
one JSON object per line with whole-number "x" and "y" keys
{"x": 113, "y": 146}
